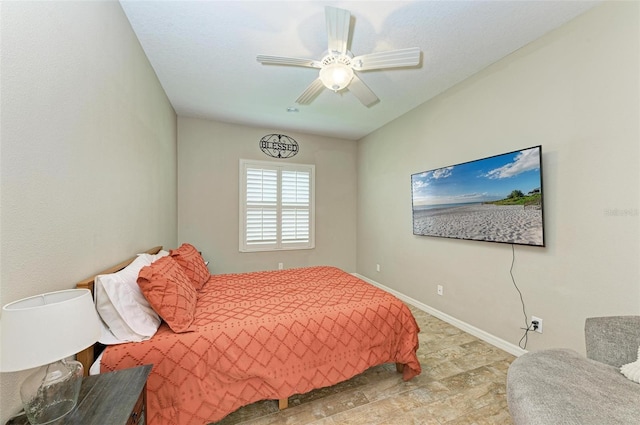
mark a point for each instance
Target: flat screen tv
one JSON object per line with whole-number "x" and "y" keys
{"x": 494, "y": 199}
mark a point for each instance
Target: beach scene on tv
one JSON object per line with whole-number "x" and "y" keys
{"x": 496, "y": 199}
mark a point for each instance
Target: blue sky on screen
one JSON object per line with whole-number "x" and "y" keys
{"x": 483, "y": 180}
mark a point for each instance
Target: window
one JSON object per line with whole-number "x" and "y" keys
{"x": 276, "y": 206}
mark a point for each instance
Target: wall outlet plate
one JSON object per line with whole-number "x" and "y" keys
{"x": 539, "y": 320}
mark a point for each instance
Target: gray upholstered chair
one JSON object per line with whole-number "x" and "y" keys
{"x": 562, "y": 387}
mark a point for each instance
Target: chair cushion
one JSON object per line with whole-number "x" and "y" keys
{"x": 562, "y": 387}
{"x": 632, "y": 370}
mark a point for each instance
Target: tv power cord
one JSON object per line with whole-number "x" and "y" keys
{"x": 534, "y": 324}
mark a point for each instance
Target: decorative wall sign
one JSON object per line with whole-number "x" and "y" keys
{"x": 279, "y": 146}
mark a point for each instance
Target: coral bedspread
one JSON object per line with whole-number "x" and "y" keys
{"x": 269, "y": 335}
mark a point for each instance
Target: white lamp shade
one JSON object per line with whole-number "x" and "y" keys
{"x": 336, "y": 76}
{"x": 46, "y": 328}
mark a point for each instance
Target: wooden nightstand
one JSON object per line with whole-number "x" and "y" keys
{"x": 115, "y": 398}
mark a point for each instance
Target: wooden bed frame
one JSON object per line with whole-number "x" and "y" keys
{"x": 88, "y": 356}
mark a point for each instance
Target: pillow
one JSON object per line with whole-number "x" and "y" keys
{"x": 122, "y": 307}
{"x": 160, "y": 254}
{"x": 153, "y": 257}
{"x": 107, "y": 337}
{"x": 194, "y": 266}
{"x": 169, "y": 291}
{"x": 632, "y": 370}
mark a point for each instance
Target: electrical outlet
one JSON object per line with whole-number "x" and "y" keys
{"x": 536, "y": 327}
{"x": 280, "y": 266}
{"x": 440, "y": 290}
{"x": 377, "y": 267}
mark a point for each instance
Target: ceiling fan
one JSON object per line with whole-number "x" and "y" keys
{"x": 338, "y": 65}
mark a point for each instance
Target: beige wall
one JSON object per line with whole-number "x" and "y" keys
{"x": 88, "y": 173}
{"x": 88, "y": 151}
{"x": 577, "y": 93}
{"x": 208, "y": 217}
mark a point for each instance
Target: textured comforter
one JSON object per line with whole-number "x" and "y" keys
{"x": 269, "y": 335}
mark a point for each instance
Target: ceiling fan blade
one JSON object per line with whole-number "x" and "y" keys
{"x": 310, "y": 92}
{"x": 283, "y": 60}
{"x": 362, "y": 92}
{"x": 390, "y": 59}
{"x": 338, "y": 21}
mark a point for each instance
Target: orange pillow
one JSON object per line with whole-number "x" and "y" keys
{"x": 169, "y": 291}
{"x": 191, "y": 261}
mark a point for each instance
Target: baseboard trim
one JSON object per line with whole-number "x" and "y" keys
{"x": 479, "y": 333}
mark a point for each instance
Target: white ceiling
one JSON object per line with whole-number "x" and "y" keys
{"x": 204, "y": 53}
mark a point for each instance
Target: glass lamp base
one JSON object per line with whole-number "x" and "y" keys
{"x": 52, "y": 391}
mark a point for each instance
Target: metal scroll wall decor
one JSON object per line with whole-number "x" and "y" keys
{"x": 279, "y": 146}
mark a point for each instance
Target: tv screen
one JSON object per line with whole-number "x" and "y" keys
{"x": 494, "y": 199}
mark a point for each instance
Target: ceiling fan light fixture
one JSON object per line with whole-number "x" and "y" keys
{"x": 338, "y": 65}
{"x": 336, "y": 76}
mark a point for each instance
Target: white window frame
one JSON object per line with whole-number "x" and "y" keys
{"x": 278, "y": 244}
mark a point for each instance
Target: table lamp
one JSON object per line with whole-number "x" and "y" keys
{"x": 45, "y": 330}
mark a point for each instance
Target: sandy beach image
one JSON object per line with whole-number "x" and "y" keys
{"x": 494, "y": 199}
{"x": 484, "y": 222}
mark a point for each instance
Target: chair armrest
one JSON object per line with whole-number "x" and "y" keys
{"x": 612, "y": 340}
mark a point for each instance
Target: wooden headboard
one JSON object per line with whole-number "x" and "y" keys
{"x": 88, "y": 355}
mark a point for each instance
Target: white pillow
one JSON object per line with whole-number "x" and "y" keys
{"x": 160, "y": 254}
{"x": 106, "y": 336}
{"x": 95, "y": 367}
{"x": 122, "y": 306}
{"x": 153, "y": 257}
{"x": 632, "y": 370}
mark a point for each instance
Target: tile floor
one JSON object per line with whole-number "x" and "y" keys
{"x": 462, "y": 383}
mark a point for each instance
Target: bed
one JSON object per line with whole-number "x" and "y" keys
{"x": 256, "y": 336}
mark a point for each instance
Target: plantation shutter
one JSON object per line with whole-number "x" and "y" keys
{"x": 295, "y": 206}
{"x": 276, "y": 206}
{"x": 262, "y": 206}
